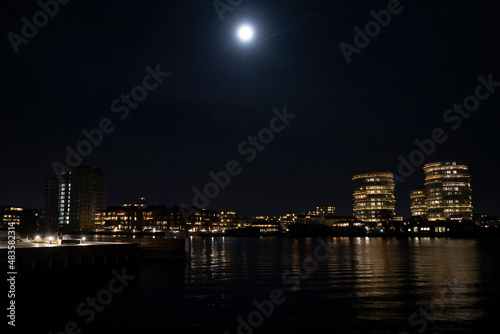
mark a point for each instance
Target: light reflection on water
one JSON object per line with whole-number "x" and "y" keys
{"x": 367, "y": 285}
{"x": 365, "y": 279}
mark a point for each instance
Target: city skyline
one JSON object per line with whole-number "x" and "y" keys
{"x": 402, "y": 207}
{"x": 373, "y": 195}
{"x": 231, "y": 166}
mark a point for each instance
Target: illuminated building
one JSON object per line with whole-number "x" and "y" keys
{"x": 158, "y": 218}
{"x": 161, "y": 218}
{"x": 205, "y": 220}
{"x": 486, "y": 220}
{"x": 137, "y": 218}
{"x": 311, "y": 219}
{"x": 325, "y": 210}
{"x": 373, "y": 197}
{"x": 418, "y": 205}
{"x": 447, "y": 190}
{"x": 227, "y": 220}
{"x": 287, "y": 219}
{"x": 316, "y": 216}
{"x": 119, "y": 218}
{"x": 81, "y": 194}
{"x": 342, "y": 221}
{"x": 266, "y": 225}
{"x": 138, "y": 202}
{"x": 10, "y": 216}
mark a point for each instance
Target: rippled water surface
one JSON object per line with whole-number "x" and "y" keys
{"x": 366, "y": 285}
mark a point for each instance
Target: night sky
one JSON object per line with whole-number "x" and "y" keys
{"x": 350, "y": 117}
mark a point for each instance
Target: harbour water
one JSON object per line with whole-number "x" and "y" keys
{"x": 289, "y": 285}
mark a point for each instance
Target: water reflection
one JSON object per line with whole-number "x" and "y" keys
{"x": 366, "y": 285}
{"x": 376, "y": 279}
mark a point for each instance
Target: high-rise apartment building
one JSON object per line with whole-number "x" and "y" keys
{"x": 373, "y": 197}
{"x": 447, "y": 190}
{"x": 74, "y": 197}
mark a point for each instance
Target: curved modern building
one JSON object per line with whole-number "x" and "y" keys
{"x": 447, "y": 190}
{"x": 373, "y": 196}
{"x": 418, "y": 206}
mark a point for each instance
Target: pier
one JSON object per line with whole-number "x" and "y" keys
{"x": 42, "y": 257}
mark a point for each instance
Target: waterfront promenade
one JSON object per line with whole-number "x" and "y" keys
{"x": 39, "y": 257}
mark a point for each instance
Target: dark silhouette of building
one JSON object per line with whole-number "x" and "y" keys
{"x": 73, "y": 198}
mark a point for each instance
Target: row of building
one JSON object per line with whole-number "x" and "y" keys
{"x": 76, "y": 199}
{"x": 446, "y": 194}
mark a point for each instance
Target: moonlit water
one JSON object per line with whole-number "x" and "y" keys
{"x": 367, "y": 285}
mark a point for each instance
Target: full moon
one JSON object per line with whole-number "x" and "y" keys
{"x": 245, "y": 33}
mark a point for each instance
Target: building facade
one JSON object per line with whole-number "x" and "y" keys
{"x": 120, "y": 218}
{"x": 448, "y": 194}
{"x": 325, "y": 210}
{"x": 373, "y": 197}
{"x": 51, "y": 201}
{"x": 158, "y": 218}
{"x": 73, "y": 198}
{"x": 10, "y": 216}
{"x": 418, "y": 206}
{"x": 138, "y": 202}
{"x": 227, "y": 220}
